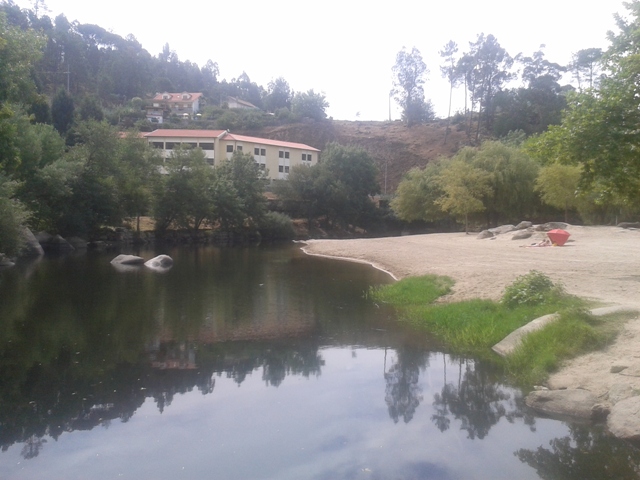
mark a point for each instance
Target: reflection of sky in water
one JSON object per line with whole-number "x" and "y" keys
{"x": 333, "y": 426}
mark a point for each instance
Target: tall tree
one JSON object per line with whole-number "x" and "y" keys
{"x": 409, "y": 74}
{"x": 491, "y": 70}
{"x": 62, "y": 111}
{"x": 279, "y": 95}
{"x": 310, "y": 104}
{"x": 449, "y": 71}
{"x": 585, "y": 66}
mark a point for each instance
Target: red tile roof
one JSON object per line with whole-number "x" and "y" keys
{"x": 184, "y": 133}
{"x": 268, "y": 141}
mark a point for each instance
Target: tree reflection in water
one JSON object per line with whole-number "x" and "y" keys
{"x": 477, "y": 401}
{"x": 587, "y": 453}
{"x": 403, "y": 393}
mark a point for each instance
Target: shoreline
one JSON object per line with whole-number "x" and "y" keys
{"x": 600, "y": 264}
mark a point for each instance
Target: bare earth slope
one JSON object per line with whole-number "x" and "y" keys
{"x": 598, "y": 263}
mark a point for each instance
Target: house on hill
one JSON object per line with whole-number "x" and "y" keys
{"x": 233, "y": 102}
{"x": 274, "y": 156}
{"x": 185, "y": 105}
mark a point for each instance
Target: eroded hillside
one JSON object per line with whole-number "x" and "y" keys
{"x": 391, "y": 144}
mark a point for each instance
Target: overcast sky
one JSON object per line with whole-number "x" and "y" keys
{"x": 345, "y": 49}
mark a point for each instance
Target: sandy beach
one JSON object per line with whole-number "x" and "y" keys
{"x": 601, "y": 264}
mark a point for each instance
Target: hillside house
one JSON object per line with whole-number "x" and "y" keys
{"x": 237, "y": 103}
{"x": 276, "y": 157}
{"x": 185, "y": 105}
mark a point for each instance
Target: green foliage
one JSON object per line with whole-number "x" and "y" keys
{"x": 309, "y": 104}
{"x": 62, "y": 111}
{"x": 13, "y": 218}
{"x": 464, "y": 187}
{"x": 409, "y": 74}
{"x": 276, "y": 226}
{"x": 417, "y": 194}
{"x": 339, "y": 188}
{"x": 541, "y": 352}
{"x": 413, "y": 291}
{"x": 559, "y": 186}
{"x": 534, "y": 288}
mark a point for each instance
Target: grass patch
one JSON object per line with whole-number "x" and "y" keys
{"x": 473, "y": 327}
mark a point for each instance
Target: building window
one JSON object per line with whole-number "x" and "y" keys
{"x": 263, "y": 152}
{"x": 171, "y": 145}
{"x": 158, "y": 144}
{"x": 306, "y": 157}
{"x": 229, "y": 148}
{"x": 256, "y": 151}
{"x": 191, "y": 144}
{"x": 239, "y": 148}
{"x": 283, "y": 154}
{"x": 206, "y": 146}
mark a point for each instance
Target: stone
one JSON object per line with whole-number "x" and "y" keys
{"x": 624, "y": 420}
{"x": 521, "y": 235}
{"x": 502, "y": 229}
{"x": 524, "y": 225}
{"x": 484, "y": 234}
{"x": 78, "y": 243}
{"x": 128, "y": 260}
{"x": 32, "y": 247}
{"x": 571, "y": 402}
{"x": 617, "y": 368}
{"x": 509, "y": 343}
{"x": 629, "y": 225}
{"x": 160, "y": 263}
{"x": 54, "y": 243}
{"x": 619, "y": 392}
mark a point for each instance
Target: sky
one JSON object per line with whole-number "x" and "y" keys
{"x": 346, "y": 49}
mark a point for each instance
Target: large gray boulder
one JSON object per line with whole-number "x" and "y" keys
{"x": 629, "y": 225}
{"x": 127, "y": 260}
{"x": 485, "y": 234}
{"x": 502, "y": 229}
{"x": 524, "y": 225}
{"x": 567, "y": 403}
{"x": 545, "y": 227}
{"x": 161, "y": 263}
{"x": 624, "y": 420}
{"x": 522, "y": 234}
{"x": 31, "y": 247}
{"x": 54, "y": 243}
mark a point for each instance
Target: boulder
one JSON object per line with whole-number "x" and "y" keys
{"x": 32, "y": 247}
{"x": 619, "y": 392}
{"x": 524, "y": 225}
{"x": 502, "y": 229}
{"x": 522, "y": 234}
{"x": 570, "y": 403}
{"x": 78, "y": 243}
{"x": 629, "y": 225}
{"x": 160, "y": 263}
{"x": 484, "y": 234}
{"x": 624, "y": 420}
{"x": 54, "y": 243}
{"x": 127, "y": 260}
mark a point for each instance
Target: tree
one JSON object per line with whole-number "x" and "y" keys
{"x": 585, "y": 67}
{"x": 599, "y": 129}
{"x": 418, "y": 193}
{"x": 558, "y": 186}
{"x": 489, "y": 72}
{"x": 409, "y": 74}
{"x": 278, "y": 95}
{"x": 464, "y": 187}
{"x": 62, "y": 111}
{"x": 13, "y": 217}
{"x": 449, "y": 71}
{"x": 310, "y": 104}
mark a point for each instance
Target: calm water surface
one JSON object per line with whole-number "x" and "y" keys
{"x": 253, "y": 363}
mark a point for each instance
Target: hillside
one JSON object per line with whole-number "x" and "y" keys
{"x": 393, "y": 144}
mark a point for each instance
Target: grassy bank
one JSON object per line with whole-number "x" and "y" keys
{"x": 473, "y": 327}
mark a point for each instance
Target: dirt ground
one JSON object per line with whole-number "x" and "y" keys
{"x": 598, "y": 263}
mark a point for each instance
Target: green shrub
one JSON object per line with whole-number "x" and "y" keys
{"x": 534, "y": 288}
{"x": 276, "y": 226}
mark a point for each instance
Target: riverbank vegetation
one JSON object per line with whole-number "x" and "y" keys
{"x": 472, "y": 327}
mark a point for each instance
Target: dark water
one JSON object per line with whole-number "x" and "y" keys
{"x": 253, "y": 364}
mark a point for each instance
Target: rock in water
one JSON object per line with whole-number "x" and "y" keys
{"x": 573, "y": 403}
{"x": 624, "y": 421}
{"x": 127, "y": 260}
{"x": 160, "y": 263}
